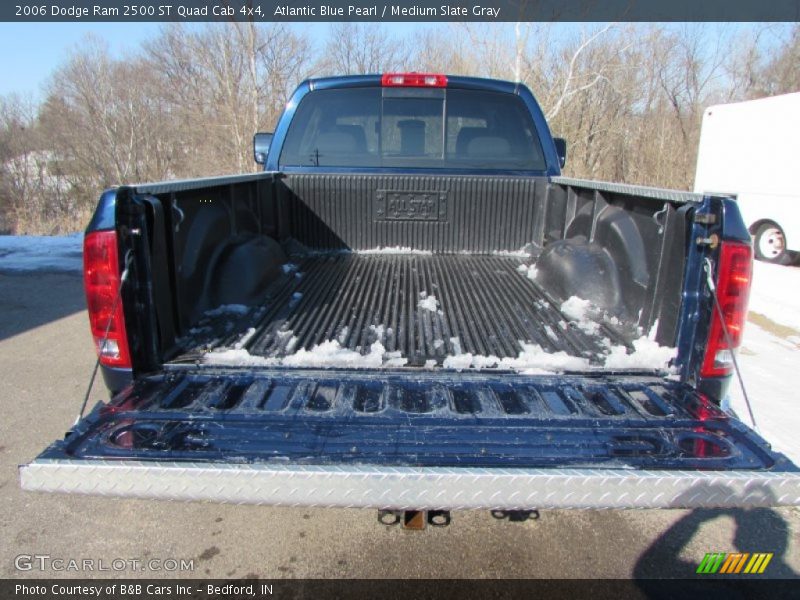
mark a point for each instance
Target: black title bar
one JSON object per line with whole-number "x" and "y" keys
{"x": 420, "y": 10}
{"x": 418, "y": 589}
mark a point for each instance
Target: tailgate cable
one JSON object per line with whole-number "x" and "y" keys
{"x": 123, "y": 277}
{"x": 710, "y": 282}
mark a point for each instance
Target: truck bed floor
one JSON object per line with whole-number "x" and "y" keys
{"x": 482, "y": 304}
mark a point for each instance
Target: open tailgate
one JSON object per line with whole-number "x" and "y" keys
{"x": 423, "y": 441}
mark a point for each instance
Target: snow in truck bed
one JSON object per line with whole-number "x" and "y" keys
{"x": 391, "y": 309}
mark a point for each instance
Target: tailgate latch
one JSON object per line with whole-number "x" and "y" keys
{"x": 711, "y": 241}
{"x": 705, "y": 218}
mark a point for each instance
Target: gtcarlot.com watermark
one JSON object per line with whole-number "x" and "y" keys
{"x": 46, "y": 562}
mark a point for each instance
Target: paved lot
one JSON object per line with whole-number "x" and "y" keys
{"x": 45, "y": 360}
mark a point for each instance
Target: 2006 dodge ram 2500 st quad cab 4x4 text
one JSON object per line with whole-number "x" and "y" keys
{"x": 410, "y": 308}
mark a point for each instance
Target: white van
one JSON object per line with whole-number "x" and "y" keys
{"x": 752, "y": 149}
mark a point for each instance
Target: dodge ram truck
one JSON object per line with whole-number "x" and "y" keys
{"x": 410, "y": 308}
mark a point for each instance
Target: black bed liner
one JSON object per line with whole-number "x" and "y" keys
{"x": 485, "y": 306}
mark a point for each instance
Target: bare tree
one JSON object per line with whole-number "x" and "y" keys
{"x": 443, "y": 49}
{"x": 629, "y": 98}
{"x": 574, "y": 82}
{"x": 34, "y": 195}
{"x": 359, "y": 49}
{"x": 224, "y": 83}
{"x": 107, "y": 120}
{"x": 781, "y": 75}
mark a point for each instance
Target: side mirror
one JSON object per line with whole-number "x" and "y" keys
{"x": 261, "y": 143}
{"x": 561, "y": 150}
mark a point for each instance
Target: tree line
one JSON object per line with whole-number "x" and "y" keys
{"x": 628, "y": 98}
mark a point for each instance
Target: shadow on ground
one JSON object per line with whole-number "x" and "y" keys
{"x": 756, "y": 530}
{"x": 30, "y": 300}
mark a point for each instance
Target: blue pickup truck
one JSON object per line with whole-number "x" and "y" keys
{"x": 410, "y": 308}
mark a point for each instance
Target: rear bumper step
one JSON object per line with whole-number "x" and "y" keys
{"x": 400, "y": 488}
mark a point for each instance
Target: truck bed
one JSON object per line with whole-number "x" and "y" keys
{"x": 264, "y": 270}
{"x": 399, "y": 328}
{"x": 425, "y": 307}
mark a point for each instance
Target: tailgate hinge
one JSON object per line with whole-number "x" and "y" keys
{"x": 705, "y": 218}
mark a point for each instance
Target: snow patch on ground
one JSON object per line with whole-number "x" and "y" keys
{"x": 769, "y": 369}
{"x": 769, "y": 356}
{"x": 775, "y": 293}
{"x": 29, "y": 253}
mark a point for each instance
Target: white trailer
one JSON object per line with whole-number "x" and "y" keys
{"x": 752, "y": 150}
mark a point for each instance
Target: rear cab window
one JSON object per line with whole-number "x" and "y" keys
{"x": 445, "y": 128}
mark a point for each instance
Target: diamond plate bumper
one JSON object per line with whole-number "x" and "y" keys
{"x": 413, "y": 488}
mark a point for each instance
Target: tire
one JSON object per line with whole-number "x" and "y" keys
{"x": 769, "y": 244}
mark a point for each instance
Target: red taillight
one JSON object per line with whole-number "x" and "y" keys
{"x": 413, "y": 80}
{"x": 101, "y": 279}
{"x": 734, "y": 275}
